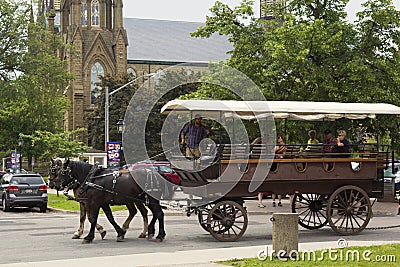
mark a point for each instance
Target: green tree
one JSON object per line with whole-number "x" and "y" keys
{"x": 45, "y": 145}
{"x": 117, "y": 107}
{"x": 312, "y": 53}
{"x": 33, "y": 77}
{"x": 120, "y": 101}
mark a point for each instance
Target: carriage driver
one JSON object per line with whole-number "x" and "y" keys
{"x": 196, "y": 132}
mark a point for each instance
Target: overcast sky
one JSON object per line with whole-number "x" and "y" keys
{"x": 196, "y": 10}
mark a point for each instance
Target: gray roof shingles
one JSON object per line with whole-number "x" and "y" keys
{"x": 170, "y": 41}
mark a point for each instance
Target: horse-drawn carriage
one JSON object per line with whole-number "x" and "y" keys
{"x": 326, "y": 188}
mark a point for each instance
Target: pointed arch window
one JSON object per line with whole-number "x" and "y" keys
{"x": 96, "y": 72}
{"x": 84, "y": 13}
{"x": 95, "y": 13}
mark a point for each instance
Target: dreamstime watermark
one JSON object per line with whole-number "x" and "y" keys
{"x": 331, "y": 254}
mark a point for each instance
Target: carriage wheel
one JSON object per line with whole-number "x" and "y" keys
{"x": 203, "y": 214}
{"x": 312, "y": 210}
{"x": 349, "y": 210}
{"x": 227, "y": 221}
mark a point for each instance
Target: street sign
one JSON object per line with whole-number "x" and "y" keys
{"x": 113, "y": 154}
{"x": 15, "y": 158}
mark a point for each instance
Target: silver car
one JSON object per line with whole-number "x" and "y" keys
{"x": 24, "y": 190}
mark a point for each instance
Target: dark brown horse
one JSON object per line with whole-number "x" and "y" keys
{"x": 55, "y": 167}
{"x": 107, "y": 188}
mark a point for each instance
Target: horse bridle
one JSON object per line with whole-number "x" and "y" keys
{"x": 74, "y": 183}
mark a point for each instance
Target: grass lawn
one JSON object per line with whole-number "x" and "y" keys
{"x": 384, "y": 255}
{"x": 61, "y": 202}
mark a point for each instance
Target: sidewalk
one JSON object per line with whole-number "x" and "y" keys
{"x": 195, "y": 258}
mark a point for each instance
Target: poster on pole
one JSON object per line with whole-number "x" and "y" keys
{"x": 113, "y": 154}
{"x": 15, "y": 158}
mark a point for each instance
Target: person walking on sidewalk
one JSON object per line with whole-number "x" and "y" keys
{"x": 398, "y": 211}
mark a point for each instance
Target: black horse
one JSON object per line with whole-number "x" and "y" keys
{"x": 107, "y": 188}
{"x": 55, "y": 167}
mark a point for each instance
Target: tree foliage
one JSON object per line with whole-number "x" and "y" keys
{"x": 120, "y": 101}
{"x": 117, "y": 107}
{"x": 46, "y": 144}
{"x": 32, "y": 77}
{"x": 312, "y": 53}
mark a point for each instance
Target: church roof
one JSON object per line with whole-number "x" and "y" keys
{"x": 170, "y": 41}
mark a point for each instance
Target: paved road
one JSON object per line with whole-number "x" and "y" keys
{"x": 47, "y": 237}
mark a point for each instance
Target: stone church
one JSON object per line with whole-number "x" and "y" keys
{"x": 102, "y": 42}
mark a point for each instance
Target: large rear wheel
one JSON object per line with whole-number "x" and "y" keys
{"x": 311, "y": 209}
{"x": 349, "y": 210}
{"x": 227, "y": 221}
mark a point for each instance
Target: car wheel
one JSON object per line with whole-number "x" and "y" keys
{"x": 6, "y": 207}
{"x": 43, "y": 208}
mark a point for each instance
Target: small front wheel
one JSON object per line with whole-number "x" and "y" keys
{"x": 227, "y": 221}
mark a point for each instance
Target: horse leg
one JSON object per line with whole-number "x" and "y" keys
{"x": 132, "y": 212}
{"x": 151, "y": 227}
{"x": 94, "y": 212}
{"x": 99, "y": 228}
{"x": 82, "y": 218}
{"x": 159, "y": 214}
{"x": 121, "y": 233}
{"x": 140, "y": 206}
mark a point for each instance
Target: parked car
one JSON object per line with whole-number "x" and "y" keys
{"x": 389, "y": 177}
{"x": 162, "y": 167}
{"x": 24, "y": 190}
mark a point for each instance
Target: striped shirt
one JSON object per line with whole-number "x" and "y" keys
{"x": 196, "y": 134}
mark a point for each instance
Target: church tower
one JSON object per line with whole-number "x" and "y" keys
{"x": 96, "y": 45}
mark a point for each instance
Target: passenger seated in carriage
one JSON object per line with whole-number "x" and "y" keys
{"x": 312, "y": 134}
{"x": 329, "y": 141}
{"x": 342, "y": 145}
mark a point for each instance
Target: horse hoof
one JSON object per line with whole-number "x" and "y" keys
{"x": 103, "y": 234}
{"x": 150, "y": 236}
{"x": 142, "y": 235}
{"x": 85, "y": 241}
{"x": 159, "y": 240}
{"x": 120, "y": 239}
{"x": 76, "y": 237}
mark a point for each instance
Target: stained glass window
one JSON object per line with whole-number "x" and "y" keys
{"x": 84, "y": 12}
{"x": 95, "y": 13}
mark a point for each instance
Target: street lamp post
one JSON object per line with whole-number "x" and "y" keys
{"x": 20, "y": 143}
{"x": 107, "y": 106}
{"x": 120, "y": 129}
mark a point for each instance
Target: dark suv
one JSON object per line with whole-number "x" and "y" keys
{"x": 24, "y": 190}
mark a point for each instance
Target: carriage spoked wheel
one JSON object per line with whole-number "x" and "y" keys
{"x": 227, "y": 221}
{"x": 349, "y": 210}
{"x": 203, "y": 214}
{"x": 312, "y": 210}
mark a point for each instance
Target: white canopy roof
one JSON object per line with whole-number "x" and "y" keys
{"x": 293, "y": 110}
